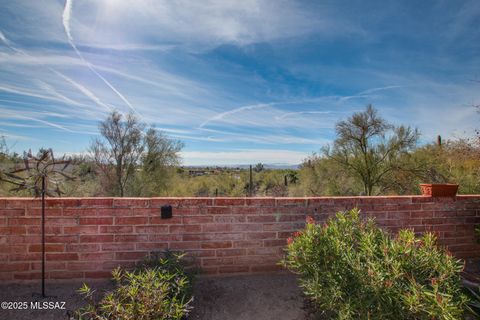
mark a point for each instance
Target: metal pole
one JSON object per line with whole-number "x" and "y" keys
{"x": 251, "y": 182}
{"x": 43, "y": 236}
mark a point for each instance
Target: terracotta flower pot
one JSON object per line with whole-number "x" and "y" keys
{"x": 439, "y": 189}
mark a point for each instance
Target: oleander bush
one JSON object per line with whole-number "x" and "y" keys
{"x": 352, "y": 269}
{"x": 159, "y": 289}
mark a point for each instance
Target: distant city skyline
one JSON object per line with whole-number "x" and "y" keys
{"x": 239, "y": 82}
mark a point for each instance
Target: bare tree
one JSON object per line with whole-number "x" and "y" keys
{"x": 118, "y": 151}
{"x": 370, "y": 148}
{"x": 132, "y": 160}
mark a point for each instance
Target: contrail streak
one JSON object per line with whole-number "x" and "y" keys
{"x": 366, "y": 93}
{"x": 84, "y": 90}
{"x": 46, "y": 87}
{"x": 220, "y": 116}
{"x": 67, "y": 12}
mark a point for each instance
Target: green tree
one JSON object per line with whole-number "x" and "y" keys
{"x": 321, "y": 176}
{"x": 158, "y": 162}
{"x": 259, "y": 167}
{"x": 370, "y": 148}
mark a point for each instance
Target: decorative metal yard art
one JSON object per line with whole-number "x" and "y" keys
{"x": 41, "y": 175}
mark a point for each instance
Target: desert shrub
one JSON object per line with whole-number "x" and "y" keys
{"x": 159, "y": 289}
{"x": 352, "y": 269}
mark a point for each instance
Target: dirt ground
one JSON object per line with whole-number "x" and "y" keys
{"x": 265, "y": 297}
{"x": 257, "y": 297}
{"x": 57, "y": 292}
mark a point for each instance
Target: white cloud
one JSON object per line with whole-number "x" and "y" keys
{"x": 195, "y": 24}
{"x": 45, "y": 58}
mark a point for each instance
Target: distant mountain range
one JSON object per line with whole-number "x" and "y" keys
{"x": 246, "y": 166}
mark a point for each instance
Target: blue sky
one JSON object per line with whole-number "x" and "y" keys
{"x": 238, "y": 81}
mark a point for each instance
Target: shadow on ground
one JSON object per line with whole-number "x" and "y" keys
{"x": 252, "y": 297}
{"x": 273, "y": 296}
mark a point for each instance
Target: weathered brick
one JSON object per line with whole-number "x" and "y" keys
{"x": 48, "y": 248}
{"x": 200, "y": 253}
{"x": 23, "y": 221}
{"x": 25, "y": 257}
{"x": 81, "y": 230}
{"x": 213, "y": 236}
{"x": 260, "y": 235}
{"x": 49, "y": 212}
{"x": 96, "y": 202}
{"x": 14, "y": 266}
{"x": 250, "y": 243}
{"x": 216, "y": 227}
{"x": 198, "y": 219}
{"x": 79, "y": 212}
{"x": 96, "y": 221}
{"x": 96, "y": 256}
{"x": 49, "y": 265}
{"x": 96, "y": 238}
{"x": 263, "y": 218}
{"x": 228, "y": 201}
{"x": 184, "y": 245}
{"x": 176, "y": 219}
{"x": 151, "y": 246}
{"x": 23, "y": 240}
{"x": 230, "y": 252}
{"x": 15, "y": 203}
{"x": 166, "y": 237}
{"x": 264, "y": 251}
{"x": 274, "y": 243}
{"x": 260, "y": 202}
{"x": 216, "y": 244}
{"x": 62, "y": 239}
{"x": 129, "y": 255}
{"x": 131, "y": 238}
{"x": 82, "y": 247}
{"x": 27, "y": 276}
{"x": 13, "y": 230}
{"x": 65, "y": 274}
{"x": 131, "y": 202}
{"x": 117, "y": 246}
{"x": 151, "y": 229}
{"x": 246, "y": 227}
{"x": 131, "y": 220}
{"x": 49, "y": 230}
{"x": 82, "y": 266}
{"x": 116, "y": 229}
{"x": 207, "y": 262}
{"x": 126, "y": 264}
{"x": 185, "y": 228}
{"x": 218, "y": 210}
{"x": 61, "y": 256}
{"x": 114, "y": 212}
{"x": 223, "y": 235}
{"x": 294, "y": 202}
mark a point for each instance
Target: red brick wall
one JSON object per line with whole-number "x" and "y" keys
{"x": 87, "y": 237}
